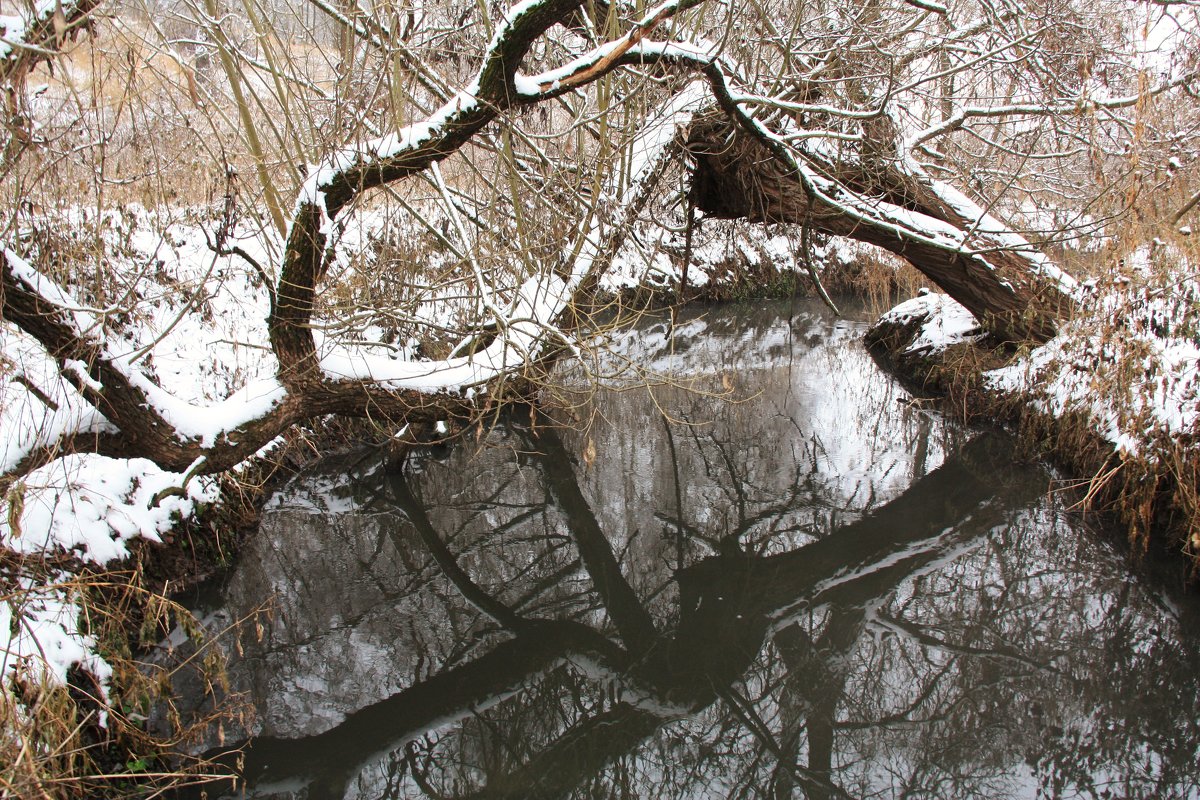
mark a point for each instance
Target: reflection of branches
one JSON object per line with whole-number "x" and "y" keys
{"x": 471, "y": 591}
{"x": 681, "y": 524}
{"x": 815, "y": 782}
{"x": 628, "y": 614}
{"x": 929, "y": 641}
{"x": 727, "y": 605}
{"x": 815, "y": 684}
{"x": 450, "y": 695}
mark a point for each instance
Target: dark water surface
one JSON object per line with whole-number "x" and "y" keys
{"x": 818, "y": 590}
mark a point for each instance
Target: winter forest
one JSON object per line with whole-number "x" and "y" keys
{"x": 786, "y": 398}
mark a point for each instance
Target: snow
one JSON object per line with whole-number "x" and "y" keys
{"x": 26, "y": 421}
{"x": 412, "y": 136}
{"x": 195, "y": 346}
{"x": 199, "y": 331}
{"x": 528, "y": 320}
{"x": 1129, "y": 363}
{"x": 193, "y": 324}
{"x": 213, "y": 423}
{"x": 1003, "y": 235}
{"x": 390, "y": 146}
{"x": 14, "y": 28}
{"x": 84, "y": 318}
{"x": 40, "y": 637}
{"x": 92, "y": 506}
{"x": 942, "y": 323}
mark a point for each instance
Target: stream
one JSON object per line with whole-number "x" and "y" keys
{"x": 752, "y": 565}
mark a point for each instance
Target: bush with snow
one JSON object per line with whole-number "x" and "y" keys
{"x": 89, "y": 506}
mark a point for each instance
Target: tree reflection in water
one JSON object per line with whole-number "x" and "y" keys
{"x": 739, "y": 603}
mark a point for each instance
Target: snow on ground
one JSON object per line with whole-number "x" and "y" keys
{"x": 40, "y": 637}
{"x": 198, "y": 322}
{"x": 653, "y": 256}
{"x": 26, "y": 420}
{"x": 1129, "y": 362}
{"x": 91, "y": 505}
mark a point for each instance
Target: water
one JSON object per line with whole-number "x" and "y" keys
{"x": 771, "y": 574}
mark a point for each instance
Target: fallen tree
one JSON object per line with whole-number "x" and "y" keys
{"x": 1011, "y": 287}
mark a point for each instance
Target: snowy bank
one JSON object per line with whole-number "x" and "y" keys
{"x": 1125, "y": 369}
{"x": 90, "y": 507}
{"x": 935, "y": 323}
{"x": 1129, "y": 364}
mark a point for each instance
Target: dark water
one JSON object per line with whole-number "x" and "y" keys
{"x": 779, "y": 578}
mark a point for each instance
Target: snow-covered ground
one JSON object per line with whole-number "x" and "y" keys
{"x": 1128, "y": 363}
{"x": 939, "y": 323}
{"x": 198, "y": 320}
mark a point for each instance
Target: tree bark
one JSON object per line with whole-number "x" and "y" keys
{"x": 1009, "y": 287}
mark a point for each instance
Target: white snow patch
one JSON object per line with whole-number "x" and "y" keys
{"x": 40, "y": 638}
{"x": 92, "y": 505}
{"x": 13, "y": 29}
{"x": 942, "y": 322}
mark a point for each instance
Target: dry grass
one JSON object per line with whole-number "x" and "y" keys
{"x": 83, "y": 740}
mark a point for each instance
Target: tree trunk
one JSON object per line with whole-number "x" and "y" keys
{"x": 1010, "y": 287}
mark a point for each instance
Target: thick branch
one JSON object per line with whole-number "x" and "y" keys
{"x": 1011, "y": 288}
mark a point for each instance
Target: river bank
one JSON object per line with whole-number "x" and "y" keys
{"x": 1112, "y": 400}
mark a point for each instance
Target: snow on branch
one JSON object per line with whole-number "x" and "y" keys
{"x": 38, "y": 33}
{"x": 123, "y": 396}
{"x": 601, "y": 59}
{"x": 906, "y": 224}
{"x": 530, "y": 318}
{"x": 1081, "y": 105}
{"x": 649, "y": 149}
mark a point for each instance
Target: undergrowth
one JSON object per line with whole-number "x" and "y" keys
{"x": 88, "y": 737}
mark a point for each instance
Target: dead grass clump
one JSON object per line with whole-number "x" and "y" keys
{"x": 1155, "y": 498}
{"x": 876, "y": 277}
{"x": 87, "y": 736}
